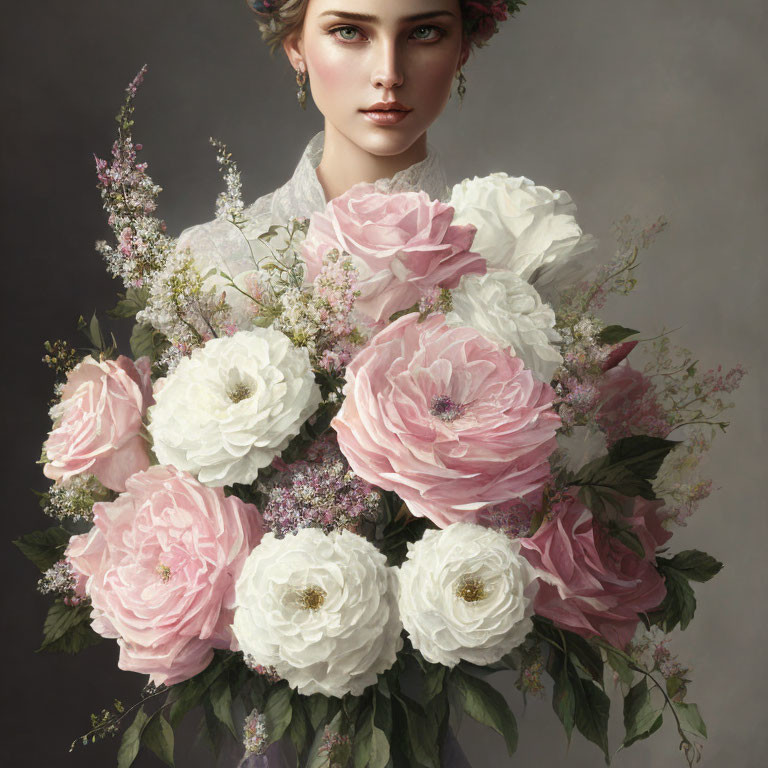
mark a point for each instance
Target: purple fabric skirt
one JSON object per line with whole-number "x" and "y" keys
{"x": 277, "y": 756}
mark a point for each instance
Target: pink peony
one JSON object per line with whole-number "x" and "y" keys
{"x": 629, "y": 405}
{"x": 161, "y": 564}
{"x": 590, "y": 583}
{"x": 445, "y": 418}
{"x": 98, "y": 422}
{"x": 402, "y": 244}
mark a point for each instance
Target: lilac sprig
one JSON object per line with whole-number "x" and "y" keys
{"x": 130, "y": 198}
{"x": 321, "y": 492}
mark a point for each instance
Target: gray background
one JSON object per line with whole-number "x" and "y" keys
{"x": 633, "y": 107}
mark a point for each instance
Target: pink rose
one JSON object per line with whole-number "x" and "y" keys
{"x": 402, "y": 245}
{"x": 161, "y": 564}
{"x": 446, "y": 419}
{"x": 482, "y": 19}
{"x": 628, "y": 405}
{"x": 590, "y": 583}
{"x": 99, "y": 422}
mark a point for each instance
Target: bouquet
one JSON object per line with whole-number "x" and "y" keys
{"x": 329, "y": 491}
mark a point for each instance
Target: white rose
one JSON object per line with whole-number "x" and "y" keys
{"x": 319, "y": 608}
{"x": 233, "y": 405}
{"x": 525, "y": 228}
{"x": 466, "y": 593}
{"x": 509, "y": 311}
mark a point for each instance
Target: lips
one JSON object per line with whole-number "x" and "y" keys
{"x": 386, "y": 112}
{"x": 387, "y": 106}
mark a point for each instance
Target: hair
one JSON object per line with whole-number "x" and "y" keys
{"x": 278, "y": 19}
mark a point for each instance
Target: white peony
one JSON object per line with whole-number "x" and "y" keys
{"x": 466, "y": 593}
{"x": 319, "y": 608}
{"x": 525, "y": 228}
{"x": 233, "y": 405}
{"x": 509, "y": 311}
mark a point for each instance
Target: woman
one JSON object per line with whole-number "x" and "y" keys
{"x": 381, "y": 72}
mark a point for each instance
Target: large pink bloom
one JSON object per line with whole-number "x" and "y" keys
{"x": 445, "y": 418}
{"x": 402, "y": 245}
{"x": 590, "y": 583}
{"x": 99, "y": 422}
{"x": 161, "y": 564}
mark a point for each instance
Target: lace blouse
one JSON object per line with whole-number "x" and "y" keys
{"x": 301, "y": 196}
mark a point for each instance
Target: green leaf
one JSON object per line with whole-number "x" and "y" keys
{"x": 145, "y": 341}
{"x": 361, "y": 746}
{"x": 379, "y": 752}
{"x": 578, "y": 648}
{"x": 679, "y": 604}
{"x": 382, "y": 716}
{"x": 620, "y": 666}
{"x": 628, "y": 538}
{"x": 44, "y": 548}
{"x": 641, "y": 717}
{"x": 592, "y": 711}
{"x": 158, "y": 736}
{"x": 131, "y": 741}
{"x": 133, "y": 301}
{"x": 221, "y": 702}
{"x": 189, "y": 694}
{"x": 278, "y": 711}
{"x": 61, "y": 628}
{"x": 695, "y": 565}
{"x": 299, "y": 729}
{"x": 433, "y": 681}
{"x": 316, "y": 707}
{"x": 422, "y": 739}
{"x": 642, "y": 454}
{"x": 690, "y": 718}
{"x": 94, "y": 333}
{"x": 77, "y": 639}
{"x": 316, "y": 758}
{"x": 629, "y": 466}
{"x": 484, "y": 703}
{"x": 613, "y": 334}
{"x": 564, "y": 699}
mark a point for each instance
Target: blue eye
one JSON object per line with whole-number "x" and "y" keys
{"x": 428, "y": 28}
{"x": 341, "y": 30}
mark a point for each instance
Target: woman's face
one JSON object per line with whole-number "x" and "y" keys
{"x": 362, "y": 54}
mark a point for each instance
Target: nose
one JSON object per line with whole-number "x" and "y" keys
{"x": 388, "y": 69}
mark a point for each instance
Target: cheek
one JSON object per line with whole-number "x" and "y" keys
{"x": 332, "y": 68}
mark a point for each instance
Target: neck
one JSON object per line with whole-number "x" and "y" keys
{"x": 345, "y": 164}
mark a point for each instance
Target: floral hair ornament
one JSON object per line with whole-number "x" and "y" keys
{"x": 481, "y": 17}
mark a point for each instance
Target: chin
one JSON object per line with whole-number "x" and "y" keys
{"x": 386, "y": 141}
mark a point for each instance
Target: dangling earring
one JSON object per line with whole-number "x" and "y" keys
{"x": 301, "y": 93}
{"x": 462, "y": 86}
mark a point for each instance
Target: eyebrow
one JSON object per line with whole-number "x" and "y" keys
{"x": 373, "y": 19}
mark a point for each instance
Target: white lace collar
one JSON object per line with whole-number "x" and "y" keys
{"x": 303, "y": 194}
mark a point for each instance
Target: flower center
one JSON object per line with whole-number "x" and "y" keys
{"x": 240, "y": 392}
{"x": 164, "y": 572}
{"x": 445, "y": 409}
{"x": 312, "y": 597}
{"x": 471, "y": 589}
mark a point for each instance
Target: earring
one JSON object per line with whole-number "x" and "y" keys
{"x": 301, "y": 93}
{"x": 462, "y": 86}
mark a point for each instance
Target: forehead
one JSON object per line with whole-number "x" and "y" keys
{"x": 382, "y": 10}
